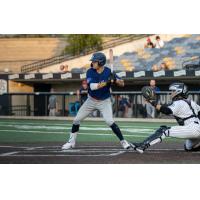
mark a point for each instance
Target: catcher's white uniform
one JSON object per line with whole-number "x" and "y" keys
{"x": 187, "y": 114}
{"x": 191, "y": 128}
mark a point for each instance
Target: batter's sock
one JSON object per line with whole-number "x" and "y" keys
{"x": 75, "y": 128}
{"x": 117, "y": 131}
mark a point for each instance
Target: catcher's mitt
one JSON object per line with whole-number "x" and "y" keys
{"x": 149, "y": 94}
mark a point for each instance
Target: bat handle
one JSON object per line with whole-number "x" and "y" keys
{"x": 111, "y": 67}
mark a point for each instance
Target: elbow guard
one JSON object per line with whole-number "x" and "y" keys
{"x": 165, "y": 110}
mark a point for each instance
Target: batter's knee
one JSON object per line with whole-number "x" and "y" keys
{"x": 76, "y": 121}
{"x": 110, "y": 122}
{"x": 79, "y": 117}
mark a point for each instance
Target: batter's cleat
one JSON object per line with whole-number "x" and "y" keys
{"x": 68, "y": 145}
{"x": 71, "y": 142}
{"x": 125, "y": 144}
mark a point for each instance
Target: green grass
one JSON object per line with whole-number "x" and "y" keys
{"x": 28, "y": 131}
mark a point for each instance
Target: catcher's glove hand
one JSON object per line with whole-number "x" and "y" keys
{"x": 149, "y": 94}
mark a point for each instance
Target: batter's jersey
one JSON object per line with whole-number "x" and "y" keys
{"x": 94, "y": 77}
{"x": 182, "y": 110}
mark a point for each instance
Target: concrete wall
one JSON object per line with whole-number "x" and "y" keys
{"x": 15, "y": 52}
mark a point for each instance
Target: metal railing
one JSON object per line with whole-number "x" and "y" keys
{"x": 58, "y": 59}
{"x": 125, "y": 104}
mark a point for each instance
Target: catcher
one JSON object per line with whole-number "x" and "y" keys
{"x": 99, "y": 80}
{"x": 186, "y": 112}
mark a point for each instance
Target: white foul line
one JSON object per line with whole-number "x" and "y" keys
{"x": 9, "y": 153}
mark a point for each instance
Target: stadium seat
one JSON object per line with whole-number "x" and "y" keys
{"x": 174, "y": 53}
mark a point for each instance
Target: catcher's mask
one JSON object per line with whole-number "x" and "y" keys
{"x": 178, "y": 90}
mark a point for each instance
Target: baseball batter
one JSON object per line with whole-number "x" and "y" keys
{"x": 187, "y": 114}
{"x": 99, "y": 78}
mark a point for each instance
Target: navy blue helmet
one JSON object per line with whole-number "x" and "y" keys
{"x": 99, "y": 57}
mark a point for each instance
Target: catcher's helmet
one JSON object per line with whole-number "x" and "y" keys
{"x": 179, "y": 89}
{"x": 99, "y": 57}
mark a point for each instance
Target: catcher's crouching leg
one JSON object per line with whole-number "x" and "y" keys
{"x": 155, "y": 138}
{"x": 192, "y": 145}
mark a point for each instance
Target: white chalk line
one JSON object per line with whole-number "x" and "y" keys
{"x": 18, "y": 147}
{"x": 13, "y": 152}
{"x": 92, "y": 155}
{"x": 85, "y": 147}
{"x": 32, "y": 148}
{"x": 85, "y": 151}
{"x": 79, "y": 146}
{"x": 112, "y": 153}
{"x": 117, "y": 153}
{"x": 5, "y": 146}
{"x": 81, "y": 151}
{"x": 9, "y": 153}
{"x": 57, "y": 155}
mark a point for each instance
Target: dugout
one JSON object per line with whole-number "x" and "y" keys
{"x": 70, "y": 82}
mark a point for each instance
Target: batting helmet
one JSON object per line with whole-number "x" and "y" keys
{"x": 179, "y": 89}
{"x": 99, "y": 57}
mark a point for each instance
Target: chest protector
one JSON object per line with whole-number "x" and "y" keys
{"x": 181, "y": 121}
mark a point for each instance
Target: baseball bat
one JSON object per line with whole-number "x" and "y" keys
{"x": 111, "y": 59}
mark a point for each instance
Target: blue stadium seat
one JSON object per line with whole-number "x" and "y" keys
{"x": 178, "y": 49}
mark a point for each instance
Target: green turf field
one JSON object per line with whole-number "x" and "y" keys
{"x": 14, "y": 130}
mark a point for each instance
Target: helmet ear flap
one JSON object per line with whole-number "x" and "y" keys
{"x": 100, "y": 63}
{"x": 184, "y": 88}
{"x": 91, "y": 65}
{"x": 185, "y": 91}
